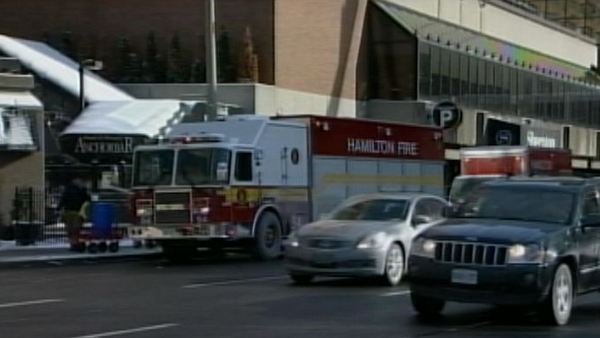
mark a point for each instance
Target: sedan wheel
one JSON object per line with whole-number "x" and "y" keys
{"x": 394, "y": 265}
{"x": 560, "y": 301}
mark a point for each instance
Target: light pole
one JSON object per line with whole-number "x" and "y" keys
{"x": 90, "y": 64}
{"x": 211, "y": 59}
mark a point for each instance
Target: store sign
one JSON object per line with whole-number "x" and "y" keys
{"x": 382, "y": 147}
{"x": 107, "y": 149}
{"x": 542, "y": 138}
{"x": 104, "y": 145}
{"x": 447, "y": 115}
{"x": 502, "y": 133}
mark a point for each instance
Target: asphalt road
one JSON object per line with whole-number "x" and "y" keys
{"x": 237, "y": 297}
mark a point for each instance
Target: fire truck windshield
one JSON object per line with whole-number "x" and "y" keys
{"x": 204, "y": 166}
{"x": 153, "y": 167}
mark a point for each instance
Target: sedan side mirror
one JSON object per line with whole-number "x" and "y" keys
{"x": 421, "y": 219}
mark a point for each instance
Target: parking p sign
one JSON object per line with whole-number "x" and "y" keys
{"x": 447, "y": 115}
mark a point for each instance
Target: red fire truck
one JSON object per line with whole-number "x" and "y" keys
{"x": 250, "y": 180}
{"x": 479, "y": 164}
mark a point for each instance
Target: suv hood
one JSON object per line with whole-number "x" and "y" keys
{"x": 492, "y": 231}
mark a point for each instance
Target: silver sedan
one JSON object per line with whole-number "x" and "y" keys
{"x": 367, "y": 235}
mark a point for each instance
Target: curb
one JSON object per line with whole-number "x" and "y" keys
{"x": 66, "y": 257}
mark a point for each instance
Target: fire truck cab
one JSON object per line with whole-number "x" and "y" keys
{"x": 250, "y": 180}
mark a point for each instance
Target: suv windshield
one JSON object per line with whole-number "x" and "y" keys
{"x": 462, "y": 186}
{"x": 372, "y": 210}
{"x": 202, "y": 166}
{"x": 153, "y": 167}
{"x": 518, "y": 203}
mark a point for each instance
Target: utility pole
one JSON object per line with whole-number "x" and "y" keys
{"x": 211, "y": 59}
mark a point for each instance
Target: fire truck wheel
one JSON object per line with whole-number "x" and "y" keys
{"x": 268, "y": 237}
{"x": 93, "y": 247}
{"x": 113, "y": 247}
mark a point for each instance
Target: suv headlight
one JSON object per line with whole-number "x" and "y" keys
{"x": 372, "y": 241}
{"x": 525, "y": 254}
{"x": 423, "y": 247}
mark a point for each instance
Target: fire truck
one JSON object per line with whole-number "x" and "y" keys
{"x": 249, "y": 180}
{"x": 480, "y": 164}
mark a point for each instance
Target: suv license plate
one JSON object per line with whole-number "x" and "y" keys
{"x": 462, "y": 276}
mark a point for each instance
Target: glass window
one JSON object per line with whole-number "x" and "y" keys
{"x": 491, "y": 101}
{"x": 243, "y": 166}
{"x": 513, "y": 90}
{"x": 473, "y": 86}
{"x": 455, "y": 73}
{"x": 372, "y": 210}
{"x": 436, "y": 79}
{"x": 445, "y": 71}
{"x": 202, "y": 166}
{"x": 153, "y": 167}
{"x": 464, "y": 75}
{"x": 519, "y": 203}
{"x": 424, "y": 70}
{"x": 481, "y": 74}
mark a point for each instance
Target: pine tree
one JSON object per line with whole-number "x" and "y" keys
{"x": 123, "y": 60}
{"x": 248, "y": 69}
{"x": 135, "y": 72}
{"x": 198, "y": 72}
{"x": 226, "y": 68}
{"x": 176, "y": 67}
{"x": 68, "y": 46}
{"x": 151, "y": 64}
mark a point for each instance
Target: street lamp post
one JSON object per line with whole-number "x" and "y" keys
{"x": 211, "y": 59}
{"x": 90, "y": 64}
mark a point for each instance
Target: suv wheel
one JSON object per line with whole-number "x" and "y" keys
{"x": 425, "y": 306}
{"x": 559, "y": 304}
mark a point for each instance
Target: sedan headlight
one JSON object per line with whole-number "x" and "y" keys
{"x": 292, "y": 240}
{"x": 423, "y": 247}
{"x": 525, "y": 254}
{"x": 372, "y": 241}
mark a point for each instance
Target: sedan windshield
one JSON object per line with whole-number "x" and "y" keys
{"x": 372, "y": 210}
{"x": 525, "y": 204}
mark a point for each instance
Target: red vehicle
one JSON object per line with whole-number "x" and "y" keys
{"x": 251, "y": 180}
{"x": 480, "y": 164}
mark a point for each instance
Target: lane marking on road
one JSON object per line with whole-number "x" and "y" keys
{"x": 396, "y": 293}
{"x": 233, "y": 281}
{"x": 31, "y": 302}
{"x": 128, "y": 331}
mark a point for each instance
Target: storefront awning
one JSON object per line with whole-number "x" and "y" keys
{"x": 148, "y": 118}
{"x": 60, "y": 70}
{"x": 435, "y": 31}
{"x": 20, "y": 99}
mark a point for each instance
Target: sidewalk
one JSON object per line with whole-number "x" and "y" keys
{"x": 46, "y": 252}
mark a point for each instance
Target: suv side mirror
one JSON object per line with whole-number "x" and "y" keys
{"x": 449, "y": 210}
{"x": 590, "y": 221}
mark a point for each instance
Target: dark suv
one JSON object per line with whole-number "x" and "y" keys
{"x": 532, "y": 242}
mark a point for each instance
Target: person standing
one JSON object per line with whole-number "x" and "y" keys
{"x": 73, "y": 204}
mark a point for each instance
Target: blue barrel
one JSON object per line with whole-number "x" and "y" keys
{"x": 103, "y": 217}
